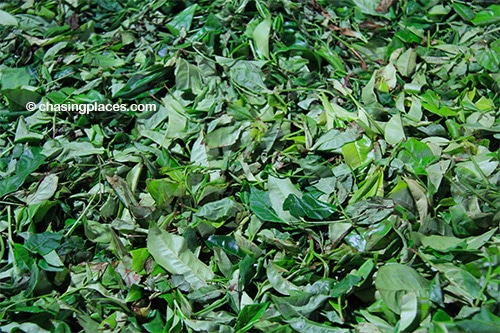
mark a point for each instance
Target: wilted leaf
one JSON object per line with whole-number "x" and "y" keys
{"x": 279, "y": 190}
{"x": 249, "y": 76}
{"x": 30, "y": 160}
{"x": 223, "y": 136}
{"x": 250, "y": 314}
{"x": 490, "y": 15}
{"x": 45, "y": 190}
{"x": 357, "y": 153}
{"x": 409, "y": 310}
{"x": 276, "y": 279}
{"x": 227, "y": 243}
{"x": 395, "y": 280}
{"x": 261, "y": 36}
{"x": 171, "y": 252}
{"x": 373, "y": 186}
{"x": 418, "y": 194}
{"x": 43, "y": 243}
{"x": 309, "y": 166}
{"x": 417, "y": 155}
{"x": 188, "y": 76}
{"x": 335, "y": 139}
{"x": 7, "y": 19}
{"x": 218, "y": 210}
{"x": 384, "y": 5}
{"x": 407, "y": 62}
{"x": 301, "y": 324}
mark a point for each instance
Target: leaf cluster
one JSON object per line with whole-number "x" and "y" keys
{"x": 310, "y": 166}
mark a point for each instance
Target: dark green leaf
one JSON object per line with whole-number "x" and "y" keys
{"x": 182, "y": 21}
{"x": 227, "y": 243}
{"x": 308, "y": 206}
{"x": 43, "y": 243}
{"x": 30, "y": 160}
{"x": 260, "y": 205}
{"x": 249, "y": 315}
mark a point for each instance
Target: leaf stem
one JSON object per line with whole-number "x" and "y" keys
{"x": 73, "y": 227}
{"x": 486, "y": 280}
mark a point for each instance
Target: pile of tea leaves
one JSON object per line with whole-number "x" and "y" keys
{"x": 249, "y": 166}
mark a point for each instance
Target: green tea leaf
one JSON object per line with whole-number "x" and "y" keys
{"x": 223, "y": 136}
{"x": 261, "y": 36}
{"x": 279, "y": 190}
{"x": 250, "y": 314}
{"x": 43, "y": 243}
{"x": 417, "y": 155}
{"x": 465, "y": 12}
{"x": 171, "y": 252}
{"x": 227, "y": 243}
{"x": 443, "y": 243}
{"x": 409, "y": 310}
{"x": 45, "y": 190}
{"x": 248, "y": 75}
{"x": 188, "y": 77}
{"x": 261, "y": 206}
{"x": 7, "y": 19}
{"x": 164, "y": 190}
{"x": 30, "y": 160}
{"x": 407, "y": 62}
{"x": 301, "y": 324}
{"x": 335, "y": 139}
{"x": 357, "y": 153}
{"x": 13, "y": 78}
{"x": 491, "y": 15}
{"x": 395, "y": 280}
{"x": 219, "y": 210}
{"x": 482, "y": 322}
{"x": 276, "y": 279}
{"x": 394, "y": 132}
{"x": 373, "y": 186}
{"x": 182, "y": 21}
{"x": 308, "y": 206}
{"x": 418, "y": 193}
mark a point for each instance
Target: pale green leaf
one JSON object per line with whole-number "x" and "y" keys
{"x": 279, "y": 190}
{"x": 394, "y": 132}
{"x": 357, "y": 153}
{"x": 409, "y": 311}
{"x": 276, "y": 279}
{"x": 188, "y": 76}
{"x": 45, "y": 190}
{"x": 7, "y": 19}
{"x": 23, "y": 134}
{"x": 248, "y": 75}
{"x": 223, "y": 136}
{"x": 418, "y": 193}
{"x": 301, "y": 324}
{"x": 261, "y": 36}
{"x": 171, "y": 252}
{"x": 395, "y": 280}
